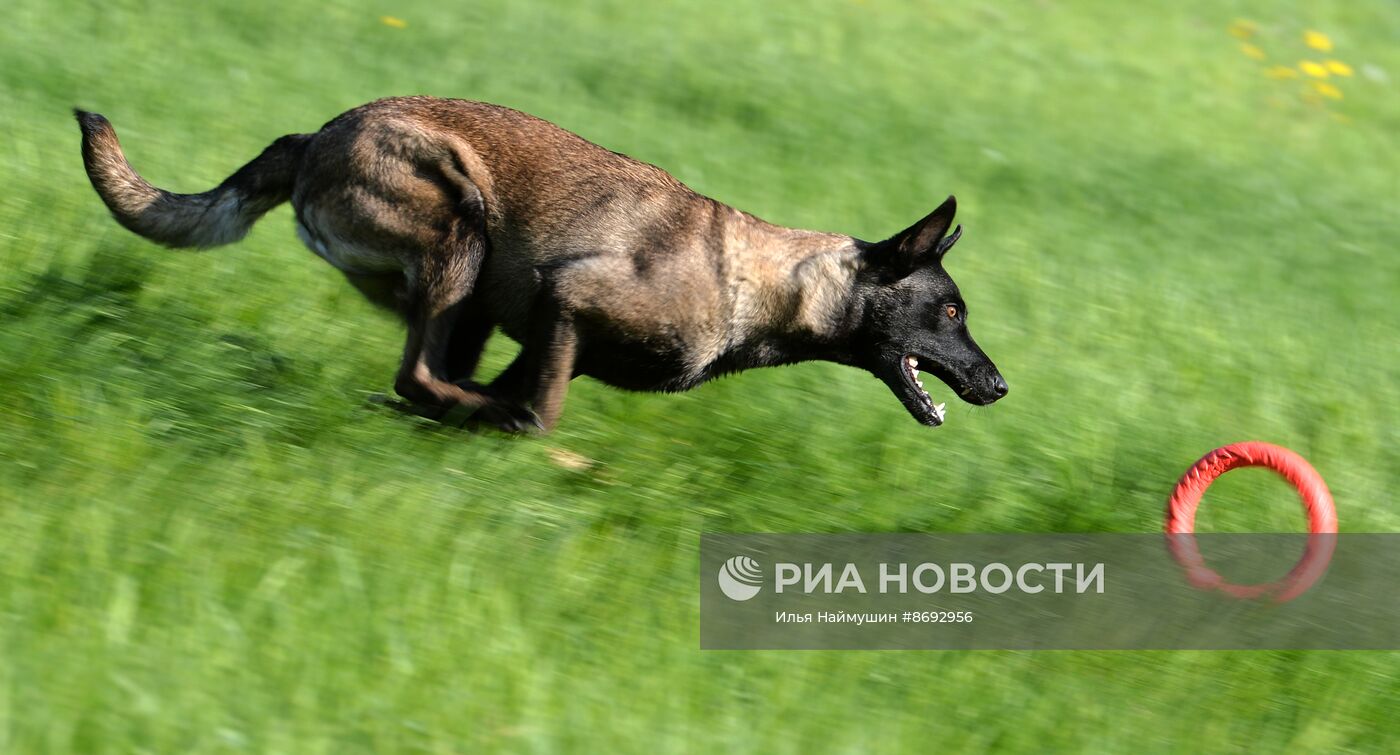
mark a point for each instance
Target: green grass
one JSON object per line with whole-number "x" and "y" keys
{"x": 211, "y": 540}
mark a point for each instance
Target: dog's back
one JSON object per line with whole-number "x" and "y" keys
{"x": 538, "y": 182}
{"x": 380, "y": 178}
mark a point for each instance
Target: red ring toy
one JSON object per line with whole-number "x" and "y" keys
{"x": 1317, "y": 502}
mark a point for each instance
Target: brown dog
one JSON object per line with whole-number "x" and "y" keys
{"x": 463, "y": 216}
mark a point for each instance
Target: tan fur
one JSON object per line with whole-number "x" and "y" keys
{"x": 463, "y": 214}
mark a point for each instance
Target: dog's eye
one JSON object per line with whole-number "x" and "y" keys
{"x": 952, "y": 310}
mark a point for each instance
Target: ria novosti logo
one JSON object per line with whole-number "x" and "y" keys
{"x": 740, "y": 578}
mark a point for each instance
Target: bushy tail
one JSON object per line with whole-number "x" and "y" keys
{"x": 221, "y": 215}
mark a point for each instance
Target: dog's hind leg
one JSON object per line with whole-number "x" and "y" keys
{"x": 469, "y": 334}
{"x": 439, "y": 294}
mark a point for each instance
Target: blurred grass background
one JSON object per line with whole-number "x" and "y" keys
{"x": 211, "y": 540}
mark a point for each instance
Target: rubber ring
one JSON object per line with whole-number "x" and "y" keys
{"x": 1317, "y": 502}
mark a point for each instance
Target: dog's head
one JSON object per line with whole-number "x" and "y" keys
{"x": 914, "y": 319}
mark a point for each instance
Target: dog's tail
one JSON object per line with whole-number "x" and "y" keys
{"x": 221, "y": 215}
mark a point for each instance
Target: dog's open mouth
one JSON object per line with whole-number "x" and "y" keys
{"x": 916, "y": 399}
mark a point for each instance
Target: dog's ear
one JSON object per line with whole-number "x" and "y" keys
{"x": 920, "y": 244}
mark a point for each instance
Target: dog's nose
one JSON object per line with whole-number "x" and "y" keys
{"x": 999, "y": 386}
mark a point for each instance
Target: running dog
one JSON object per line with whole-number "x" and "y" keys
{"x": 465, "y": 216}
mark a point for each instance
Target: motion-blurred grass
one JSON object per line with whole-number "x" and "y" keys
{"x": 211, "y": 540}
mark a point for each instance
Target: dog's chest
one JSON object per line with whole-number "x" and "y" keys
{"x": 638, "y": 366}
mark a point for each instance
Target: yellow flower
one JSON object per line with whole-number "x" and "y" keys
{"x": 1327, "y": 90}
{"x": 1317, "y": 40}
{"x": 1281, "y": 72}
{"x": 1339, "y": 68}
{"x": 1252, "y": 51}
{"x": 1313, "y": 68}
{"x": 397, "y": 23}
{"x": 1242, "y": 29}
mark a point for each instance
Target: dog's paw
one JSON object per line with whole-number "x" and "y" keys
{"x": 507, "y": 417}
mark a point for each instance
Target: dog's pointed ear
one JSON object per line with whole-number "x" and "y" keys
{"x": 920, "y": 244}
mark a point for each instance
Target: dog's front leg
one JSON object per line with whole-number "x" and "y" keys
{"x": 556, "y": 369}
{"x": 542, "y": 370}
